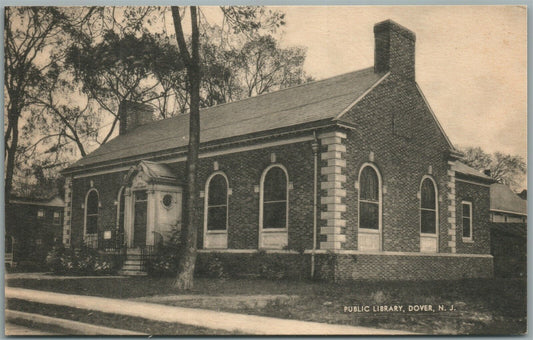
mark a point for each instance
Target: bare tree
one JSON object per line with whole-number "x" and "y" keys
{"x": 505, "y": 168}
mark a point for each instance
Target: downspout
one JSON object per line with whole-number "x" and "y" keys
{"x": 314, "y": 147}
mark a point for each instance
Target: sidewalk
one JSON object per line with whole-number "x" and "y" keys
{"x": 232, "y": 322}
{"x": 50, "y": 276}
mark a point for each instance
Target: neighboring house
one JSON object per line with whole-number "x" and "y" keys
{"x": 508, "y": 214}
{"x": 353, "y": 169}
{"x": 32, "y": 227}
{"x": 506, "y": 206}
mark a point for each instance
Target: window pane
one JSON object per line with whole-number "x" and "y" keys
{"x": 216, "y": 218}
{"x": 466, "y": 210}
{"x": 141, "y": 195}
{"x": 275, "y": 215}
{"x": 369, "y": 185}
{"x": 217, "y": 190}
{"x": 92, "y": 203}
{"x": 92, "y": 221}
{"x": 428, "y": 222}
{"x": 275, "y": 185}
{"x": 428, "y": 194}
{"x": 466, "y": 227}
{"x": 369, "y": 215}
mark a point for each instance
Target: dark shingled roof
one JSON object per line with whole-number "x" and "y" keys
{"x": 469, "y": 171}
{"x": 504, "y": 199}
{"x": 306, "y": 103}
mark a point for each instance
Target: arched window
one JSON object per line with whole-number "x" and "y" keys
{"x": 91, "y": 212}
{"x": 369, "y": 199}
{"x": 428, "y": 207}
{"x": 217, "y": 203}
{"x": 275, "y": 193}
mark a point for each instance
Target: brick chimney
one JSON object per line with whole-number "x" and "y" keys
{"x": 394, "y": 50}
{"x": 132, "y": 115}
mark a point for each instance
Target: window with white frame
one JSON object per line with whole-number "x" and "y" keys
{"x": 467, "y": 220}
{"x": 91, "y": 212}
{"x": 217, "y": 203}
{"x": 369, "y": 199}
{"x": 275, "y": 192}
{"x": 428, "y": 207}
{"x": 40, "y": 213}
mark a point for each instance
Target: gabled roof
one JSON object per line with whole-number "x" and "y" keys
{"x": 306, "y": 103}
{"x": 471, "y": 172}
{"x": 503, "y": 199}
{"x": 154, "y": 172}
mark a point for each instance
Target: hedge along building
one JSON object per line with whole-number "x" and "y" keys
{"x": 354, "y": 169}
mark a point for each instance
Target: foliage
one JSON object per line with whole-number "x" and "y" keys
{"x": 82, "y": 261}
{"x": 212, "y": 266}
{"x": 164, "y": 261}
{"x": 505, "y": 168}
{"x": 28, "y": 33}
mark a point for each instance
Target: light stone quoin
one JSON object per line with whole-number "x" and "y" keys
{"x": 334, "y": 154}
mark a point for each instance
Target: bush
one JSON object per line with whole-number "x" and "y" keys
{"x": 211, "y": 265}
{"x": 82, "y": 261}
{"x": 164, "y": 262}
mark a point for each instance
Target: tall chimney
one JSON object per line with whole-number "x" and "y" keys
{"x": 394, "y": 50}
{"x": 132, "y": 115}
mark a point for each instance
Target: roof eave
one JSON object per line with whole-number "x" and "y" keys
{"x": 180, "y": 151}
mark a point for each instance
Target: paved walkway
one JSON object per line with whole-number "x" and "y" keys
{"x": 11, "y": 329}
{"x": 50, "y": 276}
{"x": 69, "y": 327}
{"x": 231, "y": 322}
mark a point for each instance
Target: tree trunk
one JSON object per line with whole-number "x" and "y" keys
{"x": 11, "y": 153}
{"x": 185, "y": 277}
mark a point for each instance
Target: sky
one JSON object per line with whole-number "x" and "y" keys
{"x": 471, "y": 62}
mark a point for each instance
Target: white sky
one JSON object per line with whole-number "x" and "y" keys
{"x": 471, "y": 62}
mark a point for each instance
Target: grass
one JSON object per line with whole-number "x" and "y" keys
{"x": 495, "y": 306}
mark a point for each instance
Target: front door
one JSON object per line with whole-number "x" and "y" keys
{"x": 140, "y": 219}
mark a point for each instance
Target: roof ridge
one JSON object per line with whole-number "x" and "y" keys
{"x": 210, "y": 128}
{"x": 268, "y": 93}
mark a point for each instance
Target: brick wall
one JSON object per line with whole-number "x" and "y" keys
{"x": 480, "y": 198}
{"x": 34, "y": 236}
{"x": 108, "y": 186}
{"x": 396, "y": 132}
{"x": 408, "y": 267}
{"x": 244, "y": 171}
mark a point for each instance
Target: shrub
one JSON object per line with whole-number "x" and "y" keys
{"x": 82, "y": 261}
{"x": 211, "y": 265}
{"x": 164, "y": 262}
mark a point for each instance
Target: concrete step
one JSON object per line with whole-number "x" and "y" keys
{"x": 132, "y": 262}
{"x": 128, "y": 272}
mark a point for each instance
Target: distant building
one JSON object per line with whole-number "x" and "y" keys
{"x": 508, "y": 214}
{"x": 506, "y": 206}
{"x": 32, "y": 227}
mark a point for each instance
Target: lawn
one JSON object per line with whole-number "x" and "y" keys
{"x": 483, "y": 306}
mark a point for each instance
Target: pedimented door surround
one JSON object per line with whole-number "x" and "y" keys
{"x": 163, "y": 205}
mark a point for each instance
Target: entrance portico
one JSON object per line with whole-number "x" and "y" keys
{"x": 152, "y": 205}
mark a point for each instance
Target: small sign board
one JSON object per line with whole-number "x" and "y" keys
{"x": 107, "y": 235}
